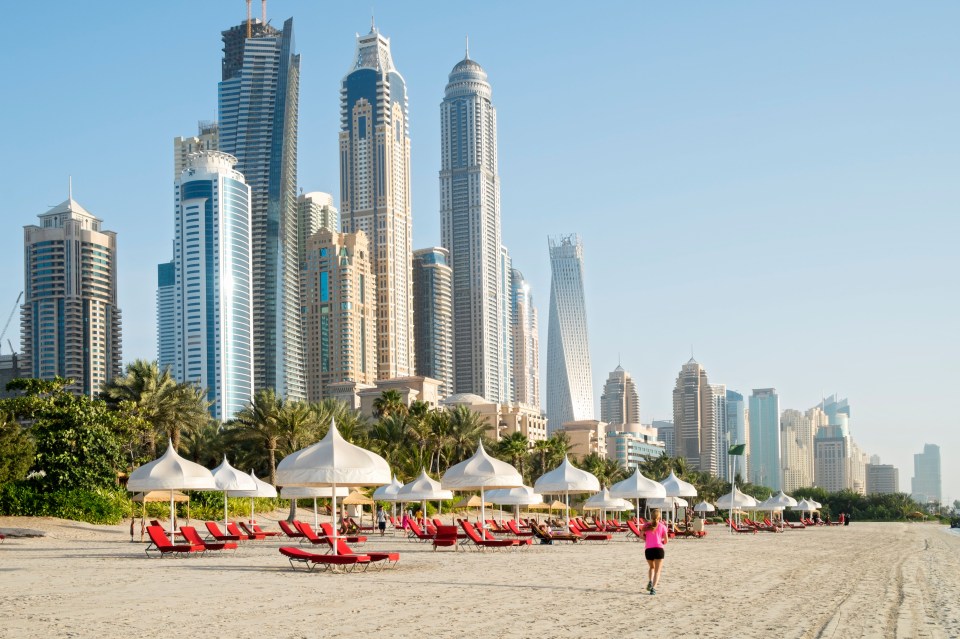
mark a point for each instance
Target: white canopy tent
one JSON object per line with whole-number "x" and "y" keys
{"x": 170, "y": 472}
{"x": 423, "y": 489}
{"x": 516, "y": 497}
{"x": 638, "y": 487}
{"x": 229, "y": 479}
{"x": 481, "y": 472}
{"x": 603, "y": 502}
{"x": 704, "y": 507}
{"x": 333, "y": 462}
{"x": 566, "y": 479}
{"x": 676, "y": 487}
{"x": 262, "y": 489}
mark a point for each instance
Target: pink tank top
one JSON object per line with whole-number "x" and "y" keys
{"x": 656, "y": 537}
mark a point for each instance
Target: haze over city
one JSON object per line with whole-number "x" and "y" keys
{"x": 771, "y": 190}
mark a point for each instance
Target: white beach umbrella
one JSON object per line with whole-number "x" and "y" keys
{"x": 603, "y": 502}
{"x": 704, "y": 507}
{"x": 516, "y": 497}
{"x": 784, "y": 499}
{"x": 805, "y": 505}
{"x": 481, "y": 472}
{"x": 423, "y": 489}
{"x": 566, "y": 479}
{"x": 638, "y": 487}
{"x": 333, "y": 461}
{"x": 170, "y": 472}
{"x": 676, "y": 487}
{"x": 668, "y": 503}
{"x": 388, "y": 492}
{"x": 736, "y": 499}
{"x": 306, "y": 492}
{"x": 229, "y": 479}
{"x": 261, "y": 489}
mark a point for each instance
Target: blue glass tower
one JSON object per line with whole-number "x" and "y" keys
{"x": 765, "y": 467}
{"x": 258, "y": 104}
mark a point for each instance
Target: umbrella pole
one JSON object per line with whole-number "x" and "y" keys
{"x": 334, "y": 514}
{"x": 483, "y": 512}
{"x": 225, "y": 515}
{"x": 251, "y": 511}
{"x": 567, "y": 504}
{"x": 316, "y": 517}
{"x": 172, "y": 514}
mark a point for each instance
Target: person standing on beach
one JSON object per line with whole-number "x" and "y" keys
{"x": 655, "y": 536}
{"x": 381, "y": 520}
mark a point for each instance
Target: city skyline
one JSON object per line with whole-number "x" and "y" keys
{"x": 843, "y": 143}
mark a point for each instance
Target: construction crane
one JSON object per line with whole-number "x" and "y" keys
{"x": 9, "y": 319}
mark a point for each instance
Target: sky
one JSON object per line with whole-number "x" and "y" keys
{"x": 772, "y": 188}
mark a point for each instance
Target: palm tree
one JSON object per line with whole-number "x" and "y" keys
{"x": 466, "y": 429}
{"x": 257, "y": 426}
{"x": 388, "y": 438}
{"x": 390, "y": 402}
{"x": 205, "y": 445}
{"x": 515, "y": 447}
{"x": 542, "y": 449}
{"x": 559, "y": 448}
{"x": 439, "y": 422}
{"x": 153, "y": 396}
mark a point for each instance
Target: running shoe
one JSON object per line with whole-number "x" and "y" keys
{"x": 649, "y": 586}
{"x": 652, "y": 591}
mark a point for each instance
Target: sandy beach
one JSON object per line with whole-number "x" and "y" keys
{"x": 865, "y": 580}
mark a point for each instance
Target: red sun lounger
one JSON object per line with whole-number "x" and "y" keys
{"x": 480, "y": 543}
{"x": 312, "y": 560}
{"x": 214, "y": 531}
{"x": 388, "y": 559}
{"x": 161, "y": 544}
{"x": 193, "y": 538}
{"x": 290, "y": 531}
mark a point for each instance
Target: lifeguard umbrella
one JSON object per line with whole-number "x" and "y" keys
{"x": 566, "y": 479}
{"x": 229, "y": 479}
{"x": 516, "y": 497}
{"x": 333, "y": 462}
{"x": 638, "y": 487}
{"x": 170, "y": 472}
{"x": 261, "y": 489}
{"x": 423, "y": 489}
{"x": 305, "y": 492}
{"x": 481, "y": 472}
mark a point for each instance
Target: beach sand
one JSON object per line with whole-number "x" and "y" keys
{"x": 865, "y": 580}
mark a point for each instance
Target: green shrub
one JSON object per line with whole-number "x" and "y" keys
{"x": 96, "y": 506}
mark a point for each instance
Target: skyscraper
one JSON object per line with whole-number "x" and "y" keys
{"x": 315, "y": 211}
{"x": 569, "y": 375}
{"x": 206, "y": 139}
{"x": 470, "y": 230}
{"x": 796, "y": 455}
{"x": 167, "y": 315}
{"x": 619, "y": 403}
{"x": 258, "y": 103}
{"x": 433, "y": 315}
{"x": 738, "y": 432}
{"x": 925, "y": 486}
{"x": 375, "y": 191}
{"x": 339, "y": 301}
{"x": 695, "y": 418}
{"x": 70, "y": 322}
{"x": 526, "y": 342}
{"x": 765, "y": 467}
{"x": 718, "y": 413}
{"x": 506, "y": 327}
{"x": 213, "y": 296}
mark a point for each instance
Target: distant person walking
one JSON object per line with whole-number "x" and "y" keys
{"x": 655, "y": 536}
{"x": 381, "y": 520}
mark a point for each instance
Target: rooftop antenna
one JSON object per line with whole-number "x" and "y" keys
{"x": 249, "y": 18}
{"x": 70, "y": 187}
{"x": 263, "y": 11}
{"x": 373, "y": 24}
{"x": 468, "y": 48}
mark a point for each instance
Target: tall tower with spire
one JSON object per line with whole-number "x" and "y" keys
{"x": 375, "y": 191}
{"x": 258, "y": 106}
{"x": 470, "y": 231}
{"x": 620, "y": 402}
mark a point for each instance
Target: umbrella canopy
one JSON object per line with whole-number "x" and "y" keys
{"x": 170, "y": 472}
{"x": 704, "y": 507}
{"x": 667, "y": 503}
{"x": 603, "y": 501}
{"x": 480, "y": 472}
{"x": 260, "y": 489}
{"x": 676, "y": 487}
{"x": 805, "y": 504}
{"x": 636, "y": 486}
{"x": 333, "y": 461}
{"x": 229, "y": 479}
{"x": 388, "y": 492}
{"x": 736, "y": 499}
{"x": 158, "y": 496}
{"x": 541, "y": 506}
{"x": 356, "y": 498}
{"x": 817, "y": 505}
{"x": 782, "y": 500}
{"x": 473, "y": 501}
{"x": 566, "y": 479}
{"x": 423, "y": 488}
{"x": 519, "y": 496}
{"x": 306, "y": 492}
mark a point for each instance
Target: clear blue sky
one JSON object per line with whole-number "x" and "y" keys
{"x": 775, "y": 185}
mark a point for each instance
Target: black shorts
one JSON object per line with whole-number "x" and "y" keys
{"x": 653, "y": 553}
{"x": 382, "y": 525}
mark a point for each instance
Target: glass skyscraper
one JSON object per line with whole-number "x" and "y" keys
{"x": 375, "y": 191}
{"x": 213, "y": 299}
{"x": 470, "y": 230}
{"x": 70, "y": 322}
{"x": 433, "y": 315}
{"x": 167, "y": 315}
{"x": 925, "y": 486}
{"x": 569, "y": 374}
{"x": 765, "y": 467}
{"x": 526, "y": 342}
{"x": 258, "y": 103}
{"x": 737, "y": 433}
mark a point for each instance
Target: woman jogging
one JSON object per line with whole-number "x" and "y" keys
{"x": 655, "y": 534}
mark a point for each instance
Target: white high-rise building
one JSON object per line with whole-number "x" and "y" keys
{"x": 206, "y": 139}
{"x": 70, "y": 322}
{"x": 375, "y": 192}
{"x": 526, "y": 343}
{"x": 796, "y": 449}
{"x": 569, "y": 374}
{"x": 619, "y": 403}
{"x": 696, "y": 417}
{"x": 214, "y": 286}
{"x": 470, "y": 231}
{"x": 315, "y": 211}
